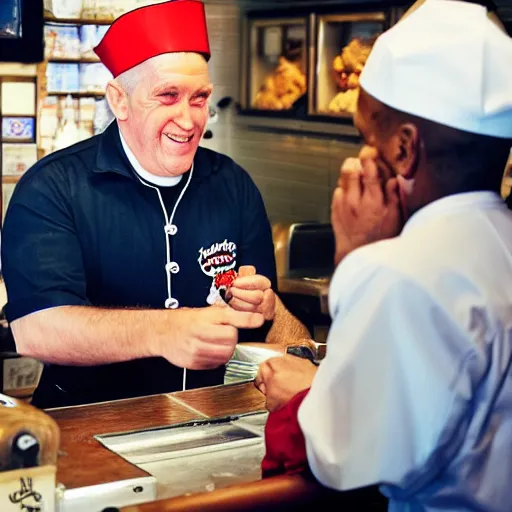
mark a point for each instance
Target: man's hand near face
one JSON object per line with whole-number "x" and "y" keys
{"x": 363, "y": 210}
{"x": 281, "y": 378}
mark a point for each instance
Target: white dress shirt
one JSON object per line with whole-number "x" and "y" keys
{"x": 415, "y": 393}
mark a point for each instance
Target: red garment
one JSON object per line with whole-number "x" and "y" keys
{"x": 138, "y": 35}
{"x": 284, "y": 442}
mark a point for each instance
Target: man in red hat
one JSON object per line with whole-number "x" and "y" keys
{"x": 113, "y": 247}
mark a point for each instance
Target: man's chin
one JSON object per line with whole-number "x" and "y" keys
{"x": 178, "y": 167}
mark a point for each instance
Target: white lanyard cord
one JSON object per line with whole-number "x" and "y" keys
{"x": 169, "y": 221}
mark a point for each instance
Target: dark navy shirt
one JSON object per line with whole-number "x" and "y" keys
{"x": 81, "y": 229}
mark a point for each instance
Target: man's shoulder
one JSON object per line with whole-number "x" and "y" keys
{"x": 391, "y": 258}
{"x": 80, "y": 156}
{"x": 221, "y": 165}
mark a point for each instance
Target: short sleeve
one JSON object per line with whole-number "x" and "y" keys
{"x": 388, "y": 403}
{"x": 41, "y": 255}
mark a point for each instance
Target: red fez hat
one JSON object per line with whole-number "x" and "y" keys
{"x": 169, "y": 27}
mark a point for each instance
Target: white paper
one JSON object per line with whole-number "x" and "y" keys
{"x": 28, "y": 489}
{"x": 21, "y": 373}
{"x": 18, "y": 98}
{"x": 18, "y": 158}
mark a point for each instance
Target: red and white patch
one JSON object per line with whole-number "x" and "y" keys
{"x": 218, "y": 262}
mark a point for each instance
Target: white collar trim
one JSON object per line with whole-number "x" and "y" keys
{"x": 159, "y": 181}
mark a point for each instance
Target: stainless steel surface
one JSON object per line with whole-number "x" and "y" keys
{"x": 305, "y": 286}
{"x": 198, "y": 458}
{"x": 294, "y": 125}
{"x": 114, "y": 494}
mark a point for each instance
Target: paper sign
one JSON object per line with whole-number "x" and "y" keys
{"x": 18, "y": 158}
{"x": 21, "y": 373}
{"x": 27, "y": 490}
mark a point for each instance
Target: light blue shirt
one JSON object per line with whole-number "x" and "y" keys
{"x": 415, "y": 393}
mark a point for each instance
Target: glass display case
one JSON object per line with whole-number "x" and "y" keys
{"x": 343, "y": 44}
{"x": 277, "y": 64}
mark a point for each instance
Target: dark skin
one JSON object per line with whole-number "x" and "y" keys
{"x": 375, "y": 196}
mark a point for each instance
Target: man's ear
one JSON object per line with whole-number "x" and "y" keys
{"x": 405, "y": 149}
{"x": 117, "y": 99}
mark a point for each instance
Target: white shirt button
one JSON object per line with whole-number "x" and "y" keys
{"x": 172, "y": 303}
{"x": 172, "y": 267}
{"x": 171, "y": 229}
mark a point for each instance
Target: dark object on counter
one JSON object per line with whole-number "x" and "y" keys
{"x": 25, "y": 451}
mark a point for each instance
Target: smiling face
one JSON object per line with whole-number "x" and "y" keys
{"x": 163, "y": 116}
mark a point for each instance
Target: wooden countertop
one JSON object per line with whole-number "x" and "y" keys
{"x": 83, "y": 461}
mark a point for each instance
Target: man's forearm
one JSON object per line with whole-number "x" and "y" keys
{"x": 286, "y": 329}
{"x": 81, "y": 335}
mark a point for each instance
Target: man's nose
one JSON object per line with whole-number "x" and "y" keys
{"x": 184, "y": 117}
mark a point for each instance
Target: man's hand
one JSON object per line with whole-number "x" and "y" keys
{"x": 203, "y": 338}
{"x": 281, "y": 378}
{"x": 252, "y": 293}
{"x": 364, "y": 209}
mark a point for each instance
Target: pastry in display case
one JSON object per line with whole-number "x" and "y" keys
{"x": 277, "y": 64}
{"x": 343, "y": 46}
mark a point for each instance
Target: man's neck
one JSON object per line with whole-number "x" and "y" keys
{"x": 159, "y": 181}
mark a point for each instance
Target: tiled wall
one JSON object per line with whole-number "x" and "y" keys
{"x": 296, "y": 173}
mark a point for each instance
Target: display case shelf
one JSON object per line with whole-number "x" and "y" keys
{"x": 327, "y": 35}
{"x": 343, "y": 43}
{"x": 76, "y": 94}
{"x": 50, "y": 18}
{"x": 72, "y": 60}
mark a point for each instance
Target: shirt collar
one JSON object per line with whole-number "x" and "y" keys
{"x": 456, "y": 203}
{"x": 112, "y": 158}
{"x": 159, "y": 181}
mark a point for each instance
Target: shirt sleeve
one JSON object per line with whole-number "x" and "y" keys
{"x": 389, "y": 402}
{"x": 41, "y": 255}
{"x": 257, "y": 247}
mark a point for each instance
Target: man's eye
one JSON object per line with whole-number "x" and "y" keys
{"x": 169, "y": 94}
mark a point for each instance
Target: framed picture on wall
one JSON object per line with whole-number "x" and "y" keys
{"x": 17, "y": 158}
{"x": 18, "y": 129}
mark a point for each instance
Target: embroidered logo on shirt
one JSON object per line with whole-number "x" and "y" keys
{"x": 219, "y": 258}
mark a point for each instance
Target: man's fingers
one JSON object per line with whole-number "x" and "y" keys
{"x": 254, "y": 297}
{"x": 246, "y": 270}
{"x": 263, "y": 376}
{"x": 371, "y": 181}
{"x": 392, "y": 192}
{"x": 220, "y": 334}
{"x": 240, "y": 319}
{"x": 351, "y": 167}
{"x": 255, "y": 282}
{"x": 241, "y": 305}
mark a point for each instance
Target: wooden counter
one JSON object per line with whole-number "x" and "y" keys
{"x": 85, "y": 464}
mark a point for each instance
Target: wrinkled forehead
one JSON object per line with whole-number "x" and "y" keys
{"x": 185, "y": 67}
